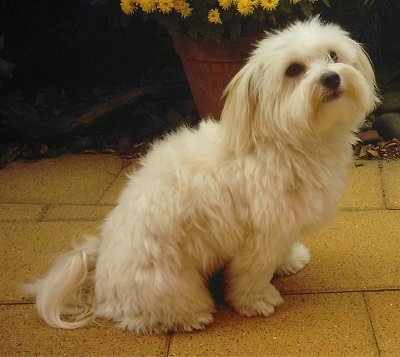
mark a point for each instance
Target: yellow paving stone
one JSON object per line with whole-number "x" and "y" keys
{"x": 27, "y": 249}
{"x": 365, "y": 187}
{"x": 76, "y": 212}
{"x": 305, "y": 325}
{"x": 66, "y": 179}
{"x": 24, "y": 334}
{"x": 13, "y": 212}
{"x": 360, "y": 250}
{"x": 113, "y": 193}
{"x": 384, "y": 309}
{"x": 391, "y": 183}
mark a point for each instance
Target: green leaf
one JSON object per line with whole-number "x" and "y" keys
{"x": 326, "y": 3}
{"x": 306, "y": 9}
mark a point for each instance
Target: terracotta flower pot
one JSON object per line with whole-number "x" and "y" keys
{"x": 210, "y": 66}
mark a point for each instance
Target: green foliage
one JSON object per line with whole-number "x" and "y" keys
{"x": 366, "y": 20}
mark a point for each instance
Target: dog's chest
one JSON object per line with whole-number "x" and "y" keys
{"x": 299, "y": 198}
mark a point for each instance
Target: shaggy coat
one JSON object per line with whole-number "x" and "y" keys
{"x": 236, "y": 194}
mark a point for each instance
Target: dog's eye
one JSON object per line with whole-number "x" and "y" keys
{"x": 333, "y": 56}
{"x": 295, "y": 69}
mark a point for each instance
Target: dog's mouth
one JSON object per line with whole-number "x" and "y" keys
{"x": 330, "y": 95}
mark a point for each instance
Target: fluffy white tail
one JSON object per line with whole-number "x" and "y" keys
{"x": 63, "y": 296}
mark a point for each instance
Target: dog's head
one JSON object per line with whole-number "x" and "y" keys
{"x": 299, "y": 83}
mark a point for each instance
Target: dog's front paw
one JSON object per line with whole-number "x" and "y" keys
{"x": 261, "y": 304}
{"x": 298, "y": 257}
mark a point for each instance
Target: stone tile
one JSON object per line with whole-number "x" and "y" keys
{"x": 360, "y": 250}
{"x": 113, "y": 193}
{"x": 14, "y": 212}
{"x": 391, "y": 183}
{"x": 365, "y": 187}
{"x": 305, "y": 325}
{"x": 24, "y": 334}
{"x": 384, "y": 309}
{"x": 66, "y": 179}
{"x": 76, "y": 212}
{"x": 27, "y": 249}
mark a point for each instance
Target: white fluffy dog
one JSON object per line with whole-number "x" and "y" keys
{"x": 237, "y": 194}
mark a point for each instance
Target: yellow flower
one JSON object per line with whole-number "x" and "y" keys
{"x": 245, "y": 7}
{"x": 294, "y": 1}
{"x": 128, "y": 7}
{"x": 225, "y": 4}
{"x": 165, "y": 6}
{"x": 183, "y": 8}
{"x": 270, "y": 5}
{"x": 148, "y": 5}
{"x": 214, "y": 17}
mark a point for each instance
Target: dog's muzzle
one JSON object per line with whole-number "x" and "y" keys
{"x": 331, "y": 82}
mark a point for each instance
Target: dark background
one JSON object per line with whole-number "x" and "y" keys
{"x": 64, "y": 48}
{"x": 73, "y": 43}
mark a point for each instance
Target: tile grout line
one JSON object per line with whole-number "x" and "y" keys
{"x": 43, "y": 213}
{"x": 371, "y": 324}
{"x": 55, "y": 203}
{"x": 98, "y": 204}
{"x": 367, "y": 209}
{"x": 383, "y": 191}
{"x": 166, "y": 351}
{"x": 17, "y": 303}
{"x": 110, "y": 185}
{"x": 28, "y": 302}
{"x": 331, "y": 292}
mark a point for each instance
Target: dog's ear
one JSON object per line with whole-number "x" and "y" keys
{"x": 364, "y": 63}
{"x": 240, "y": 109}
{"x": 365, "y": 66}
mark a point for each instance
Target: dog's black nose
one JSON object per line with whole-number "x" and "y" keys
{"x": 330, "y": 80}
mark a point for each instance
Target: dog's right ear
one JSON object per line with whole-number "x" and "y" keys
{"x": 240, "y": 110}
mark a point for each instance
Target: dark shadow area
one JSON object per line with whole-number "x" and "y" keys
{"x": 84, "y": 77}
{"x": 76, "y": 77}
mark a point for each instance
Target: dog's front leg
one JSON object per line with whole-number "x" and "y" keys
{"x": 295, "y": 260}
{"x": 248, "y": 277}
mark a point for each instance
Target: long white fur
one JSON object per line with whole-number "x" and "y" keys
{"x": 236, "y": 194}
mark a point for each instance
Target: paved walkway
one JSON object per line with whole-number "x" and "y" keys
{"x": 346, "y": 302}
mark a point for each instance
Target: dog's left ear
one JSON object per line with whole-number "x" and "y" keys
{"x": 364, "y": 62}
{"x": 365, "y": 66}
{"x": 240, "y": 109}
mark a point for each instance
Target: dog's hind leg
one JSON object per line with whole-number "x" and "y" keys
{"x": 297, "y": 258}
{"x": 160, "y": 300}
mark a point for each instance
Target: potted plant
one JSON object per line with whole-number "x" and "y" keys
{"x": 214, "y": 37}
